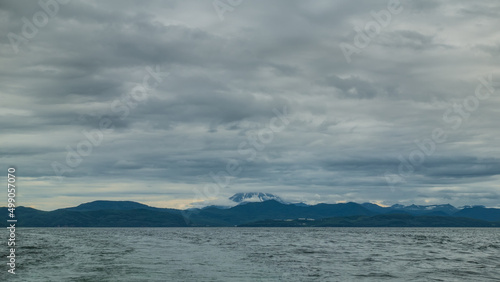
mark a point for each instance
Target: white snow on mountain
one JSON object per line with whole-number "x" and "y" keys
{"x": 254, "y": 197}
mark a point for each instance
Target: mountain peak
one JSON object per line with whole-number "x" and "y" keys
{"x": 254, "y": 197}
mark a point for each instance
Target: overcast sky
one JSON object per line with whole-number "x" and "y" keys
{"x": 283, "y": 95}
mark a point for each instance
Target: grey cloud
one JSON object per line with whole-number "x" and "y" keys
{"x": 348, "y": 123}
{"x": 353, "y": 87}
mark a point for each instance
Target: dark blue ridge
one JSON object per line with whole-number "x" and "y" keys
{"x": 133, "y": 214}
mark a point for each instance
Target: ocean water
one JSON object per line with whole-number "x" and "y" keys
{"x": 256, "y": 254}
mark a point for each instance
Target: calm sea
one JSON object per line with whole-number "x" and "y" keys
{"x": 256, "y": 254}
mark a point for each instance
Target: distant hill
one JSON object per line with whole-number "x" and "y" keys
{"x": 109, "y": 205}
{"x": 116, "y": 205}
{"x": 28, "y": 217}
{"x": 386, "y": 220}
{"x": 480, "y": 213}
{"x": 419, "y": 210}
{"x": 263, "y": 209}
{"x": 272, "y": 210}
{"x": 446, "y": 209}
{"x": 375, "y": 208}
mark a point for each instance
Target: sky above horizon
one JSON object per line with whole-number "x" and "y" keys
{"x": 185, "y": 103}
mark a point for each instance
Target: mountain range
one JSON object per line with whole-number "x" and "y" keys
{"x": 257, "y": 209}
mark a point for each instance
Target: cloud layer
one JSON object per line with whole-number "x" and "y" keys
{"x": 215, "y": 86}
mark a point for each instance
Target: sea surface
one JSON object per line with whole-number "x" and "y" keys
{"x": 255, "y": 254}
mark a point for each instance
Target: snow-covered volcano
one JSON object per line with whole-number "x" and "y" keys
{"x": 254, "y": 197}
